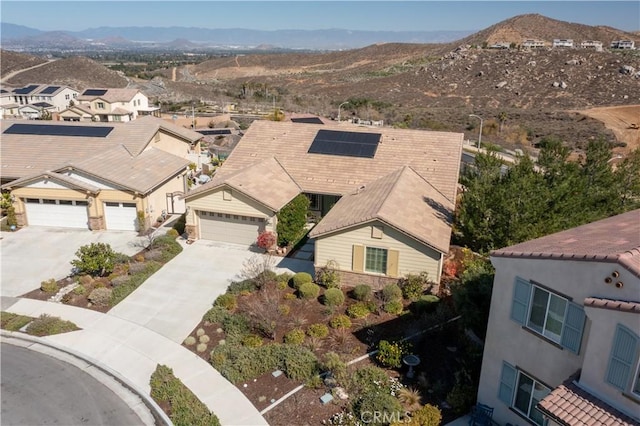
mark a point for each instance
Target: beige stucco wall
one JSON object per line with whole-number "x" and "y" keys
{"x": 170, "y": 144}
{"x": 155, "y": 202}
{"x": 414, "y": 257}
{"x": 507, "y": 341}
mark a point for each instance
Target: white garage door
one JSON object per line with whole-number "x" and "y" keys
{"x": 120, "y": 216}
{"x": 230, "y": 228}
{"x": 58, "y": 213}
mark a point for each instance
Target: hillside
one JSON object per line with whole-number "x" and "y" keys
{"x": 13, "y": 61}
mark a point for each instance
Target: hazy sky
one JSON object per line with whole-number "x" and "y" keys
{"x": 308, "y": 15}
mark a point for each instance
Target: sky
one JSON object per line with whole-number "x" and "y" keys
{"x": 369, "y": 15}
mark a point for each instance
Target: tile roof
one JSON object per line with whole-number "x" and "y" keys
{"x": 111, "y": 95}
{"x": 251, "y": 181}
{"x": 615, "y": 239}
{"x": 616, "y": 305}
{"x": 402, "y": 199}
{"x": 570, "y": 405}
{"x": 433, "y": 155}
{"x": 75, "y": 183}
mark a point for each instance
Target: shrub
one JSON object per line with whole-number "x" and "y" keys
{"x": 173, "y": 233}
{"x": 394, "y": 307}
{"x": 410, "y": 397}
{"x": 216, "y": 314}
{"x": 333, "y": 297}
{"x": 201, "y": 347}
{"x": 204, "y": 339}
{"x": 283, "y": 280}
{"x": 252, "y": 341}
{"x": 227, "y": 301}
{"x": 284, "y": 310}
{"x": 49, "y": 286}
{"x": 309, "y": 291}
{"x": 190, "y": 341}
{"x": 461, "y": 398}
{"x": 13, "y": 322}
{"x": 95, "y": 259}
{"x": 292, "y": 220}
{"x": 301, "y": 278}
{"x": 237, "y": 287}
{"x": 413, "y": 286}
{"x": 200, "y": 332}
{"x": 119, "y": 280}
{"x": 368, "y": 378}
{"x": 328, "y": 276}
{"x": 429, "y": 415}
{"x": 236, "y": 326}
{"x": 168, "y": 246}
{"x": 294, "y": 337}
{"x": 100, "y": 296}
{"x": 180, "y": 224}
{"x": 377, "y": 401}
{"x": 332, "y": 363}
{"x": 362, "y": 292}
{"x": 266, "y": 240}
{"x": 391, "y": 292}
{"x": 390, "y": 354}
{"x": 289, "y": 296}
{"x": 185, "y": 407}
{"x": 427, "y": 303}
{"x": 358, "y": 310}
{"x": 340, "y": 321}
{"x": 46, "y": 325}
{"x": 318, "y": 330}
{"x": 85, "y": 279}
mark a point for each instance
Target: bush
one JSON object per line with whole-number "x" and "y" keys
{"x": 362, "y": 292}
{"x": 100, "y": 296}
{"x": 236, "y": 326}
{"x": 227, "y": 301}
{"x": 46, "y": 325}
{"x": 49, "y": 286}
{"x": 368, "y": 378}
{"x": 135, "y": 280}
{"x": 309, "y": 291}
{"x": 377, "y": 401}
{"x": 284, "y": 310}
{"x": 266, "y": 240}
{"x": 180, "y": 224}
{"x": 429, "y": 415}
{"x": 340, "y": 321}
{"x": 413, "y": 286}
{"x": 333, "y": 297}
{"x": 318, "y": 330}
{"x": 294, "y": 337}
{"x": 301, "y": 278}
{"x": 394, "y": 307}
{"x": 204, "y": 339}
{"x": 252, "y": 341}
{"x": 13, "y": 322}
{"x": 95, "y": 259}
{"x": 168, "y": 246}
{"x": 292, "y": 220}
{"x": 332, "y": 363}
{"x": 237, "y": 287}
{"x": 216, "y": 315}
{"x": 201, "y": 347}
{"x": 328, "y": 276}
{"x": 426, "y": 304}
{"x": 391, "y": 292}
{"x": 358, "y": 310}
{"x": 390, "y": 354}
{"x": 173, "y": 233}
{"x": 184, "y": 407}
{"x": 190, "y": 341}
{"x": 79, "y": 290}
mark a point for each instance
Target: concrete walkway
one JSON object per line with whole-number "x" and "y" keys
{"x": 134, "y": 352}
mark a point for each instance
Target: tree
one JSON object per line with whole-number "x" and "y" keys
{"x": 502, "y": 118}
{"x": 96, "y": 259}
{"x": 472, "y": 294}
{"x": 292, "y": 219}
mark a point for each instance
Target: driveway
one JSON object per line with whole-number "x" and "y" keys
{"x": 34, "y": 254}
{"x": 172, "y": 301}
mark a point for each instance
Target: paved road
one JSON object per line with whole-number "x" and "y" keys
{"x": 38, "y": 390}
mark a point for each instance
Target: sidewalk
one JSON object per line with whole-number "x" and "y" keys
{"x": 134, "y": 352}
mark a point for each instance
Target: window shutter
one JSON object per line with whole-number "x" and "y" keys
{"x": 623, "y": 352}
{"x": 520, "y": 303}
{"x": 357, "y": 261}
{"x": 507, "y": 383}
{"x": 572, "y": 328}
{"x": 392, "y": 263}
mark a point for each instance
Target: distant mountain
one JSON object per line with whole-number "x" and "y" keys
{"x": 17, "y": 31}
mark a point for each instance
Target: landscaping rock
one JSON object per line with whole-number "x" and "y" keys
{"x": 341, "y": 393}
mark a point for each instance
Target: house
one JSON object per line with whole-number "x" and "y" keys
{"x": 562, "y": 42}
{"x": 500, "y": 45}
{"x": 563, "y": 338}
{"x": 35, "y": 111}
{"x": 623, "y": 44}
{"x": 95, "y": 176}
{"x": 8, "y": 109}
{"x": 385, "y": 195}
{"x": 592, "y": 44}
{"x": 78, "y": 112}
{"x": 533, "y": 44}
{"x": 109, "y": 105}
{"x": 59, "y": 97}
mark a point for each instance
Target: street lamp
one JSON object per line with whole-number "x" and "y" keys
{"x": 480, "y": 135}
{"x": 340, "y": 106}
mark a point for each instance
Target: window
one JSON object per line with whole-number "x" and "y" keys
{"x": 623, "y": 371}
{"x": 314, "y": 201}
{"x": 117, "y": 118}
{"x": 376, "y": 260}
{"x": 32, "y": 200}
{"x": 548, "y": 314}
{"x": 522, "y": 392}
{"x": 45, "y": 201}
{"x": 66, "y": 97}
{"x": 100, "y": 105}
{"x": 65, "y": 202}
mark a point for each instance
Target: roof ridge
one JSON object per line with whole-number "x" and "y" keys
{"x": 430, "y": 184}
{"x": 287, "y": 172}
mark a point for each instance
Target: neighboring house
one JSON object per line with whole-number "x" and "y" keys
{"x": 623, "y": 44}
{"x": 93, "y": 175}
{"x": 500, "y": 45}
{"x": 385, "y": 195}
{"x": 562, "y": 42}
{"x": 78, "y": 112}
{"x": 36, "y": 111}
{"x": 533, "y": 44}
{"x": 116, "y": 104}
{"x": 592, "y": 44}
{"x": 8, "y": 109}
{"x": 59, "y": 97}
{"x": 563, "y": 338}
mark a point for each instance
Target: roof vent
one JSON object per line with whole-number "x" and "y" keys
{"x": 360, "y": 189}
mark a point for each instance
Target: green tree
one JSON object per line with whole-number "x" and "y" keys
{"x": 96, "y": 259}
{"x": 472, "y": 294}
{"x": 292, "y": 219}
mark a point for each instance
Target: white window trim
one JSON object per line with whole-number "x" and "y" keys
{"x": 515, "y": 393}
{"x": 544, "y": 332}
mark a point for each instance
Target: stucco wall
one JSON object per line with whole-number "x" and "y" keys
{"x": 157, "y": 201}
{"x": 170, "y": 144}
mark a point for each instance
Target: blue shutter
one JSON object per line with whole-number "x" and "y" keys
{"x": 507, "y": 383}
{"x": 623, "y": 352}
{"x": 520, "y": 303}
{"x": 572, "y": 327}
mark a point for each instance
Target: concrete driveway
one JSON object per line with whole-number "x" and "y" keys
{"x": 34, "y": 254}
{"x": 172, "y": 301}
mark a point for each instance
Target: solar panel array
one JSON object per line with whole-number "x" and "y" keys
{"x": 346, "y": 144}
{"x": 49, "y": 90}
{"x": 214, "y": 132}
{"x": 53, "y": 130}
{"x": 26, "y": 90}
{"x": 307, "y": 120}
{"x": 94, "y": 92}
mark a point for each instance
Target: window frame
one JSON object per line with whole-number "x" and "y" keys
{"x": 381, "y": 251}
{"x": 531, "y": 405}
{"x": 544, "y": 329}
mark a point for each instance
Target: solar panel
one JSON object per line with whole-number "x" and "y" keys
{"x": 49, "y": 90}
{"x": 94, "y": 92}
{"x": 346, "y": 144}
{"x": 26, "y": 90}
{"x": 214, "y": 132}
{"x": 52, "y": 130}
{"x": 307, "y": 120}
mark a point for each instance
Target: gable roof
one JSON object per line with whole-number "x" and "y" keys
{"x": 615, "y": 239}
{"x": 433, "y": 155}
{"x": 402, "y": 199}
{"x": 111, "y": 95}
{"x": 279, "y": 190}
{"x": 75, "y": 183}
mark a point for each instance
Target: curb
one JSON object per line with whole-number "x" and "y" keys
{"x": 159, "y": 416}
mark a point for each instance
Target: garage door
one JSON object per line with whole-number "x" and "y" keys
{"x": 230, "y": 228}
{"x": 58, "y": 213}
{"x": 120, "y": 216}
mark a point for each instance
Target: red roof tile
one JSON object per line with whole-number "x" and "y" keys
{"x": 616, "y": 305}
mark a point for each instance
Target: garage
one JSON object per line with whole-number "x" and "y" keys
{"x": 120, "y": 216}
{"x": 57, "y": 213}
{"x": 230, "y": 228}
